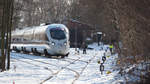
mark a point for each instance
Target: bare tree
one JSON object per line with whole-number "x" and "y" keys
{"x": 5, "y": 36}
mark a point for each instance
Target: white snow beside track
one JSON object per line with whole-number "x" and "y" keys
{"x": 76, "y": 69}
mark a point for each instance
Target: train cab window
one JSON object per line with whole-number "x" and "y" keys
{"x": 57, "y": 33}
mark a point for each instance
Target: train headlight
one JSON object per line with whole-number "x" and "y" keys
{"x": 53, "y": 43}
{"x": 65, "y": 43}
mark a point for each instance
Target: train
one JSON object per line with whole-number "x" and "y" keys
{"x": 50, "y": 40}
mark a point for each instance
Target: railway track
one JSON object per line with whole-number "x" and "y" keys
{"x": 33, "y": 64}
{"x": 47, "y": 68}
{"x": 37, "y": 60}
{"x": 89, "y": 61}
{"x": 75, "y": 59}
{"x": 61, "y": 70}
{"x": 69, "y": 60}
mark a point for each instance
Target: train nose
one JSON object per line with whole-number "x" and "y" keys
{"x": 60, "y": 45}
{"x": 60, "y": 48}
{"x": 60, "y": 51}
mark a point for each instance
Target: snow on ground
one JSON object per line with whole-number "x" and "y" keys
{"x": 74, "y": 69}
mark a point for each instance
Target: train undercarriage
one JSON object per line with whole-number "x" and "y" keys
{"x": 34, "y": 51}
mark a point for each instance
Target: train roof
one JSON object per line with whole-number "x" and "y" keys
{"x": 57, "y": 25}
{"x": 34, "y": 27}
{"x": 37, "y": 28}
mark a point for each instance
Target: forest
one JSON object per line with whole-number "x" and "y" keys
{"x": 125, "y": 22}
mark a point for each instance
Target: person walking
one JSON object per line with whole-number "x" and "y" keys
{"x": 84, "y": 47}
{"x": 111, "y": 48}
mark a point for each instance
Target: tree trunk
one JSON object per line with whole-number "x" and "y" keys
{"x": 5, "y": 32}
{"x": 3, "y": 36}
{"x": 9, "y": 31}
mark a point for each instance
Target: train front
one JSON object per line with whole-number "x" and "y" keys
{"x": 58, "y": 36}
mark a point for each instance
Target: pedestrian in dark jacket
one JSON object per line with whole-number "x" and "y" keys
{"x": 84, "y": 46}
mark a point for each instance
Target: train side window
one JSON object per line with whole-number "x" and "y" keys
{"x": 17, "y": 39}
{"x": 13, "y": 39}
{"x": 24, "y": 39}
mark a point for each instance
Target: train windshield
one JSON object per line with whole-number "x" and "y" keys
{"x": 57, "y": 33}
